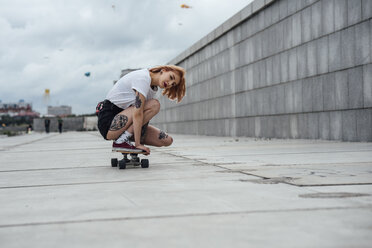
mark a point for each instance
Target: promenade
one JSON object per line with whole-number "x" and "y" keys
{"x": 59, "y": 190}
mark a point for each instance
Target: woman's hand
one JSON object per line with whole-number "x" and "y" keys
{"x": 146, "y": 149}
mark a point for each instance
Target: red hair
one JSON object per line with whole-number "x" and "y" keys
{"x": 176, "y": 92}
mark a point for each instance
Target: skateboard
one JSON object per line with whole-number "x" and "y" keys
{"x": 134, "y": 160}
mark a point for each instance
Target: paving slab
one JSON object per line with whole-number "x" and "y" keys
{"x": 318, "y": 174}
{"x": 60, "y": 190}
{"x": 297, "y": 228}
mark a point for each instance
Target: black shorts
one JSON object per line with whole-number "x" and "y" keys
{"x": 105, "y": 116}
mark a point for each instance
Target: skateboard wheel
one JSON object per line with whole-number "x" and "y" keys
{"x": 122, "y": 164}
{"x": 145, "y": 163}
{"x": 114, "y": 162}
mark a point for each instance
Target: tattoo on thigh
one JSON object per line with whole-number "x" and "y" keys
{"x": 162, "y": 135}
{"x": 118, "y": 122}
{"x": 138, "y": 102}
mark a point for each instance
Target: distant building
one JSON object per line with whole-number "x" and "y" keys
{"x": 125, "y": 72}
{"x": 62, "y": 110}
{"x": 20, "y": 108}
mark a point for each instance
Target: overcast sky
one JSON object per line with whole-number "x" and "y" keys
{"x": 47, "y": 44}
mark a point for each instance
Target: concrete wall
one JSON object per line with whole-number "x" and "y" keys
{"x": 69, "y": 124}
{"x": 280, "y": 69}
{"x": 90, "y": 123}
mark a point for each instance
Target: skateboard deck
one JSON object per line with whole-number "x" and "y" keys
{"x": 134, "y": 160}
{"x": 127, "y": 152}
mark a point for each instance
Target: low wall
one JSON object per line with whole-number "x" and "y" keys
{"x": 90, "y": 123}
{"x": 69, "y": 124}
{"x": 280, "y": 69}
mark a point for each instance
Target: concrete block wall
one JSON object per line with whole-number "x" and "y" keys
{"x": 280, "y": 69}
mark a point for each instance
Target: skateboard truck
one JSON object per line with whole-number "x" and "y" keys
{"x": 134, "y": 160}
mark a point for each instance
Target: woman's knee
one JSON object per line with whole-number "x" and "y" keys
{"x": 154, "y": 105}
{"x": 168, "y": 141}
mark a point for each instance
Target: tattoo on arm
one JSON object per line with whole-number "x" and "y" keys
{"x": 118, "y": 122}
{"x": 162, "y": 135}
{"x": 138, "y": 102}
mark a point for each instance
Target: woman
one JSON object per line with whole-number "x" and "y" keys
{"x": 130, "y": 105}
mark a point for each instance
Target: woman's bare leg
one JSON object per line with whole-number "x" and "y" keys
{"x": 156, "y": 137}
{"x": 124, "y": 120}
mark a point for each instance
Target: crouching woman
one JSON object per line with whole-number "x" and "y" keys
{"x": 129, "y": 106}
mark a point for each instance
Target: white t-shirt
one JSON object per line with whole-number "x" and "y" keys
{"x": 123, "y": 94}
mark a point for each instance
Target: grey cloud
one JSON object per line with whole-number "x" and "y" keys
{"x": 51, "y": 44}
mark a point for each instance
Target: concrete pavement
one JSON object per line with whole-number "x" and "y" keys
{"x": 59, "y": 190}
